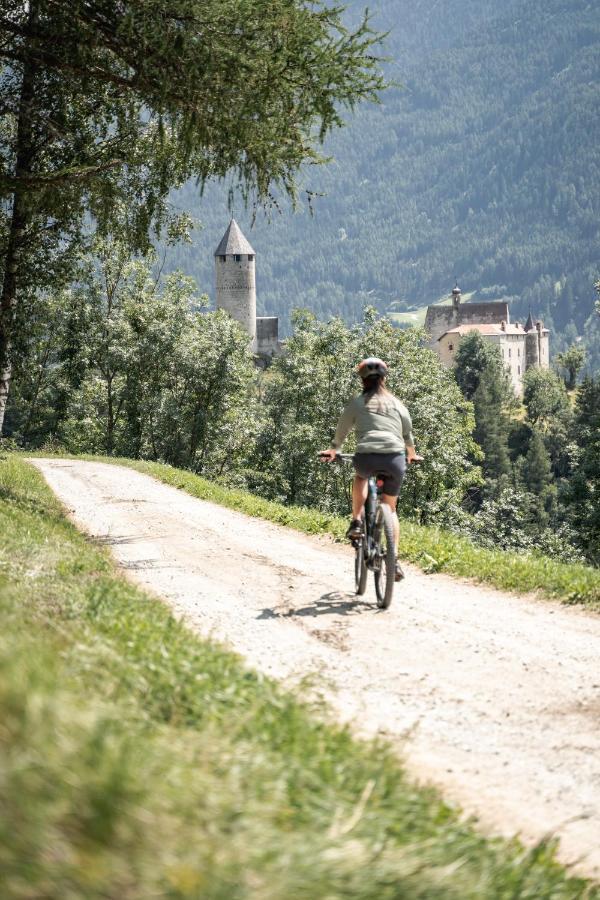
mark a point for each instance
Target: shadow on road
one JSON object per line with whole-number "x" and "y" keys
{"x": 113, "y": 539}
{"x": 337, "y": 603}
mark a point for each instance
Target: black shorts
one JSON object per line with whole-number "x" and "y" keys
{"x": 391, "y": 466}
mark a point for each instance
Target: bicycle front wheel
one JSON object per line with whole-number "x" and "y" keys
{"x": 360, "y": 568}
{"x": 385, "y": 571}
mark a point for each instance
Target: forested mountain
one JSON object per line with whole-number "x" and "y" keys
{"x": 484, "y": 166}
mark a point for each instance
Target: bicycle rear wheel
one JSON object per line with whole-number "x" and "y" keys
{"x": 385, "y": 573}
{"x": 360, "y": 568}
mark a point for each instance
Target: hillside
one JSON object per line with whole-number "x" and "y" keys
{"x": 483, "y": 166}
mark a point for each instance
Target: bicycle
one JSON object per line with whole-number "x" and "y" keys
{"x": 375, "y": 549}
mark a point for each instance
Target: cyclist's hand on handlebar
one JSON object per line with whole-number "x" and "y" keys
{"x": 415, "y": 458}
{"x": 327, "y": 455}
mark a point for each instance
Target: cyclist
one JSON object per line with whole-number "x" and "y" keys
{"x": 384, "y": 443}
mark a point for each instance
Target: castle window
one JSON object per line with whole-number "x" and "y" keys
{"x": 450, "y": 346}
{"x": 519, "y": 369}
{"x": 222, "y": 258}
{"x": 250, "y": 257}
{"x": 237, "y": 257}
{"x": 518, "y": 351}
{"x": 509, "y": 353}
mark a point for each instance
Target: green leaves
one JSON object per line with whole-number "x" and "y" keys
{"x": 110, "y": 104}
{"x": 241, "y": 84}
{"x": 572, "y": 360}
{"x": 544, "y": 396}
{"x": 307, "y": 388}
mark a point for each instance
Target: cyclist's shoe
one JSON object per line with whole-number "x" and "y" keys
{"x": 399, "y": 573}
{"x": 355, "y": 530}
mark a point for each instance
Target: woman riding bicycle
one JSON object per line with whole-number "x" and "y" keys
{"x": 384, "y": 443}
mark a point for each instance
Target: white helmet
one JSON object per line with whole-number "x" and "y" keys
{"x": 372, "y": 365}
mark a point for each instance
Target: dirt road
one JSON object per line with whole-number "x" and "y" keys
{"x": 494, "y": 698}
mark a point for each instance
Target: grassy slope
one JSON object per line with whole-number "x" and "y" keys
{"x": 139, "y": 761}
{"x": 430, "y": 548}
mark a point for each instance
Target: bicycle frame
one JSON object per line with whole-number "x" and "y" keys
{"x": 372, "y": 556}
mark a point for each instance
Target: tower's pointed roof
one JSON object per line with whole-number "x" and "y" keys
{"x": 529, "y": 322}
{"x": 233, "y": 241}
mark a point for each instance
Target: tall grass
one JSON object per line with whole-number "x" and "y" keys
{"x": 137, "y": 761}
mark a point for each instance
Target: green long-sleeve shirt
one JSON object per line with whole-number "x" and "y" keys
{"x": 382, "y": 425}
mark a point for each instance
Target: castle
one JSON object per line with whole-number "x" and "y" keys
{"x": 235, "y": 262}
{"x": 522, "y": 346}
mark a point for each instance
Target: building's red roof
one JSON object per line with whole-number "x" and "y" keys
{"x": 486, "y": 329}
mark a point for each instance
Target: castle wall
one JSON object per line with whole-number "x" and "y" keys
{"x": 236, "y": 290}
{"x": 447, "y": 347}
{"x": 532, "y": 351}
{"x": 267, "y": 335}
{"x": 514, "y": 356}
{"x": 440, "y": 319}
{"x": 544, "y": 349}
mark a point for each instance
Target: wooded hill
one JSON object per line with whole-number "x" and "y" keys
{"x": 483, "y": 166}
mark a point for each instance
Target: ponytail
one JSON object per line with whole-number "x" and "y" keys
{"x": 374, "y": 387}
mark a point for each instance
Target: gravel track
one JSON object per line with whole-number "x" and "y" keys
{"x": 494, "y": 698}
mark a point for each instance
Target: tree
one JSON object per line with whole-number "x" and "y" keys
{"x": 544, "y": 396}
{"x": 503, "y": 521}
{"x": 584, "y": 486}
{"x": 474, "y": 356}
{"x": 537, "y": 473}
{"x": 307, "y": 388}
{"x": 127, "y": 361}
{"x": 572, "y": 360}
{"x": 98, "y": 98}
{"x": 160, "y": 378}
{"x": 537, "y": 479}
{"x": 483, "y": 377}
{"x": 491, "y": 424}
{"x": 508, "y": 520}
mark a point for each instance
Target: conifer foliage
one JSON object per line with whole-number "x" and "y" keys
{"x": 584, "y": 492}
{"x": 101, "y": 97}
{"x": 481, "y": 376}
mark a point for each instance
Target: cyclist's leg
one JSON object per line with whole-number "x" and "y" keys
{"x": 359, "y": 495}
{"x": 392, "y": 484}
{"x": 393, "y": 475}
{"x": 392, "y": 502}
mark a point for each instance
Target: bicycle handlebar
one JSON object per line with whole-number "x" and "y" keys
{"x": 349, "y": 457}
{"x": 339, "y": 457}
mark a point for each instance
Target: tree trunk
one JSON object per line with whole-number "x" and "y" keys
{"x": 21, "y": 215}
{"x": 110, "y": 422}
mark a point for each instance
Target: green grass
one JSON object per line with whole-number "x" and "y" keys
{"x": 432, "y": 549}
{"x": 415, "y": 317}
{"x": 139, "y": 761}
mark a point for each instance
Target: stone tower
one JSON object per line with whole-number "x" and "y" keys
{"x": 537, "y": 346}
{"x": 532, "y": 344}
{"x": 456, "y": 296}
{"x": 236, "y": 278}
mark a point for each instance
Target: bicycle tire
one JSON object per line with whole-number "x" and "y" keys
{"x": 385, "y": 574}
{"x": 360, "y": 569}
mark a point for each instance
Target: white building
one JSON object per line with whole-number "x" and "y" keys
{"x": 521, "y": 346}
